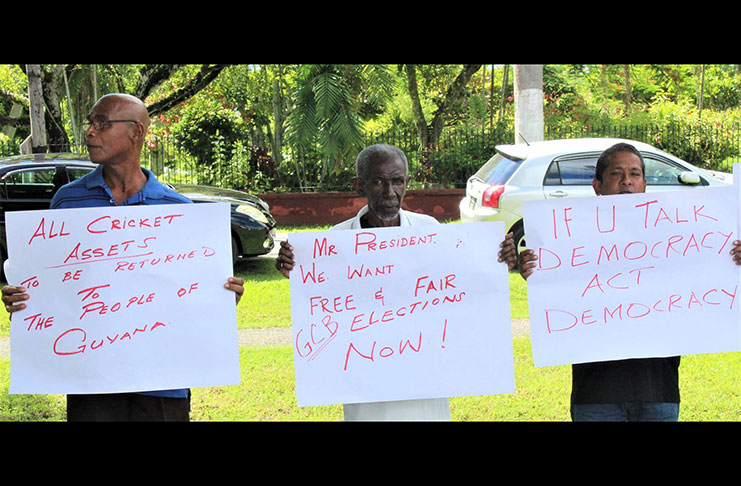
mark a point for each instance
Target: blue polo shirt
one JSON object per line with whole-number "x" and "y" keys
{"x": 91, "y": 191}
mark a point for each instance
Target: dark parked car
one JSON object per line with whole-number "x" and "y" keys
{"x": 253, "y": 228}
{"x": 29, "y": 182}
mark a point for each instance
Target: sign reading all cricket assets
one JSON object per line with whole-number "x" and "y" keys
{"x": 122, "y": 299}
{"x": 400, "y": 313}
{"x": 633, "y": 275}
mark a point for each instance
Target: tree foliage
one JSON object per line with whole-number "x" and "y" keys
{"x": 301, "y": 125}
{"x": 71, "y": 89}
{"x": 329, "y": 103}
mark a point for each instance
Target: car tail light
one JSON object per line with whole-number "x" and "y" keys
{"x": 490, "y": 198}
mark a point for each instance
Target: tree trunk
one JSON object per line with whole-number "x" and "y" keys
{"x": 153, "y": 75}
{"x": 278, "y": 115}
{"x": 455, "y": 94}
{"x": 207, "y": 74}
{"x": 702, "y": 89}
{"x": 505, "y": 83}
{"x": 56, "y": 136}
{"x": 628, "y": 99}
{"x": 36, "y": 108}
{"x": 429, "y": 135}
{"x": 419, "y": 117}
{"x": 71, "y": 111}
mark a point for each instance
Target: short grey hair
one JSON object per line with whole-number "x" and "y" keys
{"x": 378, "y": 153}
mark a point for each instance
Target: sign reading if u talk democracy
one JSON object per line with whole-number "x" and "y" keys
{"x": 127, "y": 298}
{"x": 633, "y": 276}
{"x": 400, "y": 313}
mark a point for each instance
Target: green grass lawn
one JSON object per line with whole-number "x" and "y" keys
{"x": 267, "y": 393}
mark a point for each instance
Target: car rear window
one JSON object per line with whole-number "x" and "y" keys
{"x": 575, "y": 172}
{"x": 497, "y": 170}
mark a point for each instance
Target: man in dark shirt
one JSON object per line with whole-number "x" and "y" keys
{"x": 644, "y": 389}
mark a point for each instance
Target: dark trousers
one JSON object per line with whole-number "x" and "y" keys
{"x": 127, "y": 407}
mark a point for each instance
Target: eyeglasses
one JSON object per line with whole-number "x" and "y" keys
{"x": 100, "y": 124}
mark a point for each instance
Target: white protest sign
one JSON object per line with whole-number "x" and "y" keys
{"x": 633, "y": 276}
{"x": 122, "y": 299}
{"x": 400, "y": 313}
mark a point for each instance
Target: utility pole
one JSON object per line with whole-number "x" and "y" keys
{"x": 36, "y": 108}
{"x": 528, "y": 80}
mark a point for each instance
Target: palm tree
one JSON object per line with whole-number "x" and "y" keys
{"x": 328, "y": 104}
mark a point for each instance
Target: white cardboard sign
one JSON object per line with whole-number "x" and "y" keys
{"x": 633, "y": 276}
{"x": 400, "y": 313}
{"x": 122, "y": 299}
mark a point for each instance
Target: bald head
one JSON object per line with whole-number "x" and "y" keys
{"x": 117, "y": 131}
{"x": 125, "y": 106}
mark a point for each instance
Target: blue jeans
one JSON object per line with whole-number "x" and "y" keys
{"x": 625, "y": 412}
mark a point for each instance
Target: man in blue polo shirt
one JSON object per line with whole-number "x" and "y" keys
{"x": 117, "y": 127}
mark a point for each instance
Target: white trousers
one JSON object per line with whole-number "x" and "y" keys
{"x": 428, "y": 409}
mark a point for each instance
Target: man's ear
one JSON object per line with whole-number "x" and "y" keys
{"x": 357, "y": 183}
{"x": 138, "y": 132}
{"x": 596, "y": 185}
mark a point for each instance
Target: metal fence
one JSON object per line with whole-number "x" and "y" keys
{"x": 714, "y": 147}
{"x": 458, "y": 154}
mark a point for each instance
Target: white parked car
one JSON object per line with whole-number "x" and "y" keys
{"x": 563, "y": 168}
